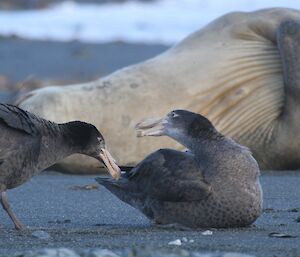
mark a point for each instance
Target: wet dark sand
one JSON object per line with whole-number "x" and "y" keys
{"x": 74, "y": 61}
{"x": 65, "y": 63}
{"x": 96, "y": 218}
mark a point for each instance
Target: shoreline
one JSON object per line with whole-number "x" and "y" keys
{"x": 69, "y": 61}
{"x": 31, "y": 64}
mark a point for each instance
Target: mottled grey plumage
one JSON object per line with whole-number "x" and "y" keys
{"x": 214, "y": 185}
{"x": 29, "y": 144}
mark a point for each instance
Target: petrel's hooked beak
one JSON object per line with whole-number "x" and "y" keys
{"x": 110, "y": 163}
{"x": 151, "y": 127}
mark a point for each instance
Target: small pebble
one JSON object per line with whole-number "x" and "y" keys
{"x": 282, "y": 225}
{"x": 237, "y": 255}
{"x": 99, "y": 253}
{"x": 268, "y": 210}
{"x": 281, "y": 235}
{"x": 59, "y": 221}
{"x": 184, "y": 239}
{"x": 207, "y": 233}
{"x": 293, "y": 210}
{"x": 297, "y": 219}
{"x": 175, "y": 242}
{"x": 59, "y": 252}
{"x": 40, "y": 234}
{"x": 85, "y": 187}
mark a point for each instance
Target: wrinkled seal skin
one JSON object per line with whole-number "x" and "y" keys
{"x": 240, "y": 71}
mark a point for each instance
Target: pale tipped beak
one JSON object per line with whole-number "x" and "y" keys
{"x": 110, "y": 164}
{"x": 150, "y": 127}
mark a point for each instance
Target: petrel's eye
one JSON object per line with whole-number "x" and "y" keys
{"x": 173, "y": 114}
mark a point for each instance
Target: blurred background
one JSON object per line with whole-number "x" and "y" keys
{"x": 46, "y": 42}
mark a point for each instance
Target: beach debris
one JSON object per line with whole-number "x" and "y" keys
{"x": 281, "y": 235}
{"x": 85, "y": 187}
{"x": 293, "y": 210}
{"x": 99, "y": 253}
{"x": 154, "y": 252}
{"x": 101, "y": 225}
{"x": 40, "y": 234}
{"x": 59, "y": 221}
{"x": 184, "y": 239}
{"x": 132, "y": 252}
{"x": 175, "y": 242}
{"x": 233, "y": 254}
{"x": 282, "y": 225}
{"x": 268, "y": 210}
{"x": 207, "y": 233}
{"x": 61, "y": 252}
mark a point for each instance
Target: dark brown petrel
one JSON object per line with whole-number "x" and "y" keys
{"x": 29, "y": 144}
{"x": 214, "y": 184}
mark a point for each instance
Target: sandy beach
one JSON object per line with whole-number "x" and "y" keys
{"x": 79, "y": 219}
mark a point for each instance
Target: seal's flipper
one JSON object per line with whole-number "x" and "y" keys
{"x": 287, "y": 136}
{"x": 288, "y": 38}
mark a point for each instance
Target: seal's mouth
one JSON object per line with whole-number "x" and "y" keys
{"x": 110, "y": 164}
{"x": 151, "y": 127}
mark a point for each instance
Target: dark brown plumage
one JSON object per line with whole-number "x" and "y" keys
{"x": 215, "y": 184}
{"x": 29, "y": 144}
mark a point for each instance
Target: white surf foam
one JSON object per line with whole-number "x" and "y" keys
{"x": 164, "y": 21}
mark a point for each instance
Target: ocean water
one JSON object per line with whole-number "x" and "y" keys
{"x": 162, "y": 21}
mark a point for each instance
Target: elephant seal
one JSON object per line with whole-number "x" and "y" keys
{"x": 241, "y": 71}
